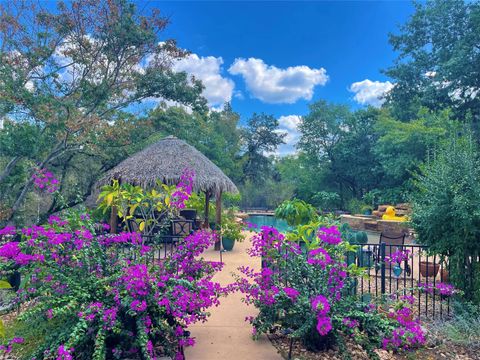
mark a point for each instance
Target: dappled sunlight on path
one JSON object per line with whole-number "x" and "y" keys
{"x": 226, "y": 335}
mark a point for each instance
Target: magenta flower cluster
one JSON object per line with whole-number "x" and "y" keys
{"x": 270, "y": 240}
{"x": 8, "y": 231}
{"x": 45, "y": 180}
{"x": 319, "y": 257}
{"x": 408, "y": 334}
{"x": 330, "y": 235}
{"x": 183, "y": 190}
{"x": 8, "y": 348}
{"x": 263, "y": 288}
{"x": 398, "y": 257}
{"x": 443, "y": 289}
{"x": 321, "y": 308}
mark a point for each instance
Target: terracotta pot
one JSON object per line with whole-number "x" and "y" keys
{"x": 444, "y": 275}
{"x": 429, "y": 268}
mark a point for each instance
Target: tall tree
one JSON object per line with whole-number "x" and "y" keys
{"x": 70, "y": 72}
{"x": 260, "y": 137}
{"x": 402, "y": 147}
{"x": 437, "y": 66}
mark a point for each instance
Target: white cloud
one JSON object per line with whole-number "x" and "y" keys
{"x": 274, "y": 85}
{"x": 369, "y": 92}
{"x": 289, "y": 125}
{"x": 218, "y": 89}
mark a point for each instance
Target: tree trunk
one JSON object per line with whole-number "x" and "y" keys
{"x": 207, "y": 203}
{"x": 20, "y": 198}
{"x": 8, "y": 169}
{"x": 218, "y": 218}
{"x": 113, "y": 220}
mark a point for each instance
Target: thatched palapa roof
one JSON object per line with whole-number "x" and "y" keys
{"x": 166, "y": 160}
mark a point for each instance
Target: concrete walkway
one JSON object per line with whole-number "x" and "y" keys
{"x": 226, "y": 335}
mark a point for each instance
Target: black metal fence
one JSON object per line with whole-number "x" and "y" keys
{"x": 394, "y": 271}
{"x": 399, "y": 270}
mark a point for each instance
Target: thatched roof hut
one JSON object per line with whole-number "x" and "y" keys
{"x": 166, "y": 160}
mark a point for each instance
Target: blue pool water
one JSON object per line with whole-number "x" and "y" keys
{"x": 267, "y": 220}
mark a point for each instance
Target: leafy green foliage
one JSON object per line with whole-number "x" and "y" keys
{"x": 437, "y": 62}
{"x": 445, "y": 208}
{"x": 296, "y": 212}
{"x": 231, "y": 228}
{"x": 463, "y": 328}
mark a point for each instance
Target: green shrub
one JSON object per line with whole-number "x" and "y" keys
{"x": 463, "y": 328}
{"x": 296, "y": 212}
{"x": 326, "y": 200}
{"x": 446, "y": 213}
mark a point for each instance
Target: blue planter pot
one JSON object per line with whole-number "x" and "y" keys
{"x": 397, "y": 270}
{"x": 228, "y": 243}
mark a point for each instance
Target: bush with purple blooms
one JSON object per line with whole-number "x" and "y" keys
{"x": 305, "y": 291}
{"x": 90, "y": 296}
{"x": 102, "y": 298}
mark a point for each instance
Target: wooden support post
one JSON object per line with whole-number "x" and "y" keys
{"x": 218, "y": 218}
{"x": 207, "y": 203}
{"x": 113, "y": 220}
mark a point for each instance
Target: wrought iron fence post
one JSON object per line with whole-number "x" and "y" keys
{"x": 382, "y": 267}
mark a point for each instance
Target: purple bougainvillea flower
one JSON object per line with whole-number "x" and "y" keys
{"x": 320, "y": 305}
{"x": 324, "y": 325}
{"x": 350, "y": 323}
{"x": 291, "y": 293}
{"x": 319, "y": 257}
{"x": 330, "y": 235}
{"x": 64, "y": 354}
{"x": 445, "y": 289}
{"x": 8, "y": 230}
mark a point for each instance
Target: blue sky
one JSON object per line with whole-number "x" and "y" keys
{"x": 276, "y": 57}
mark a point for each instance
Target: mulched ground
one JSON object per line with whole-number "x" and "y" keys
{"x": 426, "y": 305}
{"x": 436, "y": 349}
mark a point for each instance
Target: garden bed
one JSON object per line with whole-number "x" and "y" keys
{"x": 438, "y": 349}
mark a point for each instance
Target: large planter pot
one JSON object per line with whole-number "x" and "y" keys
{"x": 429, "y": 269}
{"x": 228, "y": 243}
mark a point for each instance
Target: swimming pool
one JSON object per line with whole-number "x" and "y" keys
{"x": 282, "y": 226}
{"x": 267, "y": 220}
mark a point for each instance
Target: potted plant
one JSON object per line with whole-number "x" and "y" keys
{"x": 231, "y": 231}
{"x": 367, "y": 210}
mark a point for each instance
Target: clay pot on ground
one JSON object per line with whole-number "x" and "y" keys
{"x": 429, "y": 269}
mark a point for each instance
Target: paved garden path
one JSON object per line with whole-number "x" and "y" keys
{"x": 226, "y": 335}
